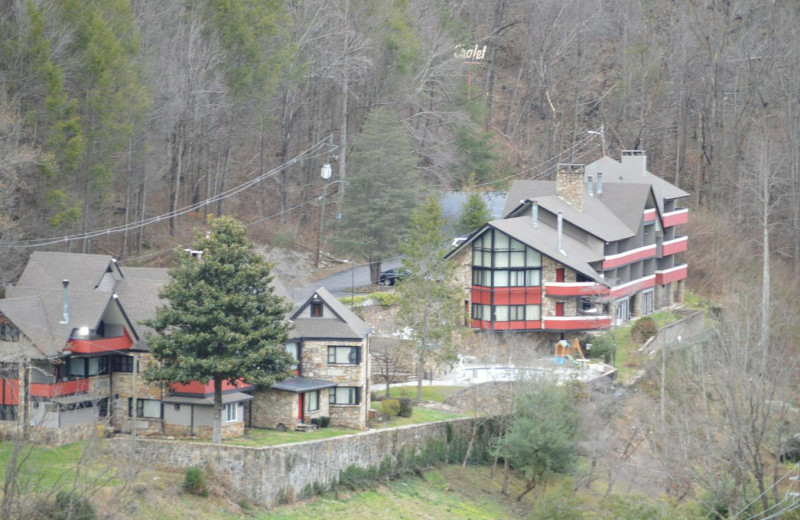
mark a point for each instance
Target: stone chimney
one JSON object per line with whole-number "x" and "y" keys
{"x": 636, "y": 159}
{"x": 570, "y": 184}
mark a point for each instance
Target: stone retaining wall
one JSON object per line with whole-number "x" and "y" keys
{"x": 693, "y": 323}
{"x": 273, "y": 475}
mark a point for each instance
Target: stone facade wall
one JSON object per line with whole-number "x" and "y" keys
{"x": 549, "y": 267}
{"x": 271, "y": 475}
{"x": 273, "y": 407}
{"x": 314, "y": 356}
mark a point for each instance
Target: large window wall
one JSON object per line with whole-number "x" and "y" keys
{"x": 506, "y": 282}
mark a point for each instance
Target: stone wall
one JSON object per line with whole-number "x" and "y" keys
{"x": 272, "y": 475}
{"x": 54, "y": 436}
{"x": 686, "y": 327}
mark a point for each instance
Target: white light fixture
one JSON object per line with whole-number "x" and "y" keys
{"x": 83, "y": 332}
{"x": 326, "y": 171}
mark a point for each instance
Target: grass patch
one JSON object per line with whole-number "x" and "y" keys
{"x": 434, "y": 394}
{"x": 258, "y": 437}
{"x": 441, "y": 494}
{"x": 420, "y": 416}
{"x": 385, "y": 299}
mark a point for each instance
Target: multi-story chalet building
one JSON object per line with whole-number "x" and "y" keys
{"x": 594, "y": 247}
{"x": 72, "y": 348}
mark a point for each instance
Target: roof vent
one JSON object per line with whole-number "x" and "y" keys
{"x": 65, "y": 317}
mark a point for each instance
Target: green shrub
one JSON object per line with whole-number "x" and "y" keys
{"x": 644, "y": 329}
{"x": 406, "y": 407}
{"x": 324, "y": 421}
{"x": 194, "y": 482}
{"x": 390, "y": 407}
{"x": 602, "y": 346}
{"x": 72, "y": 506}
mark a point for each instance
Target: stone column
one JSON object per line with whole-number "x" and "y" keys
{"x": 636, "y": 305}
{"x": 670, "y": 294}
{"x": 681, "y": 289}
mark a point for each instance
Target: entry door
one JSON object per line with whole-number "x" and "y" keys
{"x": 559, "y": 275}
{"x": 300, "y": 406}
{"x": 560, "y": 309}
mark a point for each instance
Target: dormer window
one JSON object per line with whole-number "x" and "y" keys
{"x": 316, "y": 309}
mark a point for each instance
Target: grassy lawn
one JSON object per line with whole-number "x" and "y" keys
{"x": 436, "y": 394}
{"x": 440, "y": 494}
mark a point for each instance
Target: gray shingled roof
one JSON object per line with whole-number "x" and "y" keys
{"x": 48, "y": 269}
{"x": 299, "y": 385}
{"x": 524, "y": 189}
{"x": 343, "y": 325}
{"x": 38, "y": 312}
{"x": 138, "y": 294}
{"x": 630, "y": 173}
{"x": 545, "y": 240}
{"x": 230, "y": 397}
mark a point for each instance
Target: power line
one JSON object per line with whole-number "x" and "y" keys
{"x": 314, "y": 151}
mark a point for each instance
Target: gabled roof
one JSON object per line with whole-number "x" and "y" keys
{"x": 138, "y": 293}
{"x": 574, "y": 254}
{"x": 337, "y": 321}
{"x": 615, "y": 172}
{"x": 38, "y": 313}
{"x": 84, "y": 272}
{"x": 524, "y": 189}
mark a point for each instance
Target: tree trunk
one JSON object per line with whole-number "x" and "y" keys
{"x": 217, "y": 417}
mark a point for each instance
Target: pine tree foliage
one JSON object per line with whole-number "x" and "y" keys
{"x": 381, "y": 191}
{"x": 222, "y": 320}
{"x": 474, "y": 214}
{"x": 430, "y": 299}
{"x": 544, "y": 433}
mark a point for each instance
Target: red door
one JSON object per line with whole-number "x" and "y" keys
{"x": 300, "y": 407}
{"x": 560, "y": 309}
{"x": 559, "y": 275}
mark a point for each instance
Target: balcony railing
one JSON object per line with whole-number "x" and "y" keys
{"x": 553, "y": 289}
{"x": 674, "y": 218}
{"x": 576, "y": 322}
{"x": 75, "y": 386}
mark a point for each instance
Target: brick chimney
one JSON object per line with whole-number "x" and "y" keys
{"x": 570, "y": 185}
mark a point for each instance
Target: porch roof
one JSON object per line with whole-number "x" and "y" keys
{"x": 232, "y": 397}
{"x": 299, "y": 385}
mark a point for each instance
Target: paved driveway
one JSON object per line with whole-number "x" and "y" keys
{"x": 344, "y": 283}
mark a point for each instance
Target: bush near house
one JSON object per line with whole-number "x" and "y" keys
{"x": 194, "y": 482}
{"x": 406, "y": 407}
{"x": 644, "y": 329}
{"x": 390, "y": 407}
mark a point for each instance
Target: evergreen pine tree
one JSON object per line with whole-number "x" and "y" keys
{"x": 474, "y": 214}
{"x": 430, "y": 299}
{"x": 222, "y": 321}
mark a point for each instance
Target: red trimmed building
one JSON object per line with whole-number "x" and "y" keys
{"x": 597, "y": 246}
{"x": 72, "y": 349}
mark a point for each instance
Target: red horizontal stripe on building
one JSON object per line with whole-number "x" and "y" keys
{"x": 612, "y": 261}
{"x": 674, "y": 218}
{"x": 574, "y": 289}
{"x": 100, "y": 345}
{"x": 75, "y": 386}
{"x": 677, "y": 245}
{"x": 671, "y": 275}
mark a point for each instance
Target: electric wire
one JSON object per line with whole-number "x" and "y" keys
{"x": 313, "y": 152}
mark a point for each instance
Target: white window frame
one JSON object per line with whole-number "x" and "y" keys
{"x": 231, "y": 412}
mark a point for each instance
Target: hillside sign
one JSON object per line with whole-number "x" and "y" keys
{"x": 470, "y": 54}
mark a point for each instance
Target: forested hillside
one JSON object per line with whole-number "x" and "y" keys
{"x": 124, "y": 122}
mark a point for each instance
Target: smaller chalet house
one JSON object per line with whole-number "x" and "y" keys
{"x": 72, "y": 348}
{"x": 597, "y": 246}
{"x": 331, "y": 346}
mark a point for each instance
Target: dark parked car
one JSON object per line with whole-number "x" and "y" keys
{"x": 390, "y": 276}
